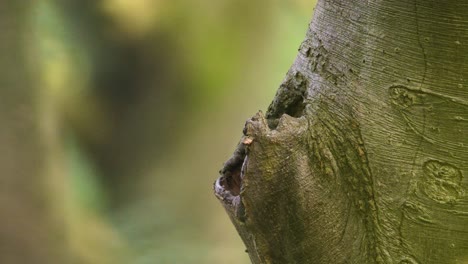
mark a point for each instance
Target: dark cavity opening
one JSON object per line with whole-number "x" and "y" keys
{"x": 232, "y": 174}
{"x": 231, "y": 181}
{"x": 289, "y": 99}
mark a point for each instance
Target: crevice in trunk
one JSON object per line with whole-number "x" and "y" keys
{"x": 228, "y": 186}
{"x": 230, "y": 181}
{"x": 290, "y": 99}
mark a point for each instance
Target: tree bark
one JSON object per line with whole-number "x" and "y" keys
{"x": 362, "y": 155}
{"x": 31, "y": 230}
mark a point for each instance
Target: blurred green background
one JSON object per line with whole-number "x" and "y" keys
{"x": 133, "y": 106}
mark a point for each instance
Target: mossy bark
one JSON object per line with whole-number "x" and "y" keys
{"x": 362, "y": 156}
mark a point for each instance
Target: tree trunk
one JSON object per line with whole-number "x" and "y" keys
{"x": 362, "y": 155}
{"x": 30, "y": 230}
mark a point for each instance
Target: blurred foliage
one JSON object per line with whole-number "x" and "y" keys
{"x": 141, "y": 101}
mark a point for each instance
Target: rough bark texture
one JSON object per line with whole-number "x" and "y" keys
{"x": 362, "y": 156}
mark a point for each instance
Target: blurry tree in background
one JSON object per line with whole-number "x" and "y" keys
{"x": 116, "y": 113}
{"x": 31, "y": 230}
